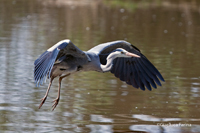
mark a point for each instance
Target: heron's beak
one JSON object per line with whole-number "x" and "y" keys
{"x": 132, "y": 55}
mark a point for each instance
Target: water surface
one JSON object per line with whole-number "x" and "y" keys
{"x": 167, "y": 33}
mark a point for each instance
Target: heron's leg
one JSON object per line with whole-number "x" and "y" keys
{"x": 58, "y": 97}
{"x": 45, "y": 97}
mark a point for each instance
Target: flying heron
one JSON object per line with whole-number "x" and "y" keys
{"x": 121, "y": 58}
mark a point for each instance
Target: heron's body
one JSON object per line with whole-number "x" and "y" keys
{"x": 119, "y": 57}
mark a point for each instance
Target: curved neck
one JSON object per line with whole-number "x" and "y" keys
{"x": 109, "y": 64}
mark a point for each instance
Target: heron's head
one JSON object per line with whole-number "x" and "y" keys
{"x": 120, "y": 52}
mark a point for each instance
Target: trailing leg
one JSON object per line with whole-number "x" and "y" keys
{"x": 58, "y": 97}
{"x": 45, "y": 97}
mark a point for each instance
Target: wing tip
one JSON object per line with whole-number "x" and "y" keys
{"x": 43, "y": 66}
{"x": 162, "y": 79}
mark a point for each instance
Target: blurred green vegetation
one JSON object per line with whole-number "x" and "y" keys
{"x": 132, "y": 5}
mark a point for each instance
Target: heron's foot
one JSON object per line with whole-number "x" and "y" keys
{"x": 56, "y": 101}
{"x": 43, "y": 101}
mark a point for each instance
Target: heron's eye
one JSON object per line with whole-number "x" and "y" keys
{"x": 122, "y": 52}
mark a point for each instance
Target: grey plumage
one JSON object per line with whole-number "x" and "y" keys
{"x": 121, "y": 58}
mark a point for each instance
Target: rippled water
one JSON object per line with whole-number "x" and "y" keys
{"x": 168, "y": 33}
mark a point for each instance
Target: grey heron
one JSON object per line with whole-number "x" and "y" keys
{"x": 121, "y": 58}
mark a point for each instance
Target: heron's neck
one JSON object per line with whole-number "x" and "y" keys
{"x": 109, "y": 64}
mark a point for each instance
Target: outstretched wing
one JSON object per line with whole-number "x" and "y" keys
{"x": 138, "y": 72}
{"x": 44, "y": 64}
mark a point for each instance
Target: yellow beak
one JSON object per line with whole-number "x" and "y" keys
{"x": 132, "y": 55}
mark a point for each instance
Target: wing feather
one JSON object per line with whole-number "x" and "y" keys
{"x": 128, "y": 79}
{"x": 145, "y": 72}
{"x": 143, "y": 76}
{"x": 115, "y": 70}
{"x": 150, "y": 72}
{"x": 138, "y": 79}
{"x": 139, "y": 72}
{"x": 132, "y": 79}
{"x": 40, "y": 58}
{"x": 119, "y": 68}
{"x": 114, "y": 62}
{"x": 45, "y": 62}
{"x": 44, "y": 65}
{"x": 122, "y": 69}
{"x": 152, "y": 68}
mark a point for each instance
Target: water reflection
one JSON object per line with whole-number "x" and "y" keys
{"x": 166, "y": 32}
